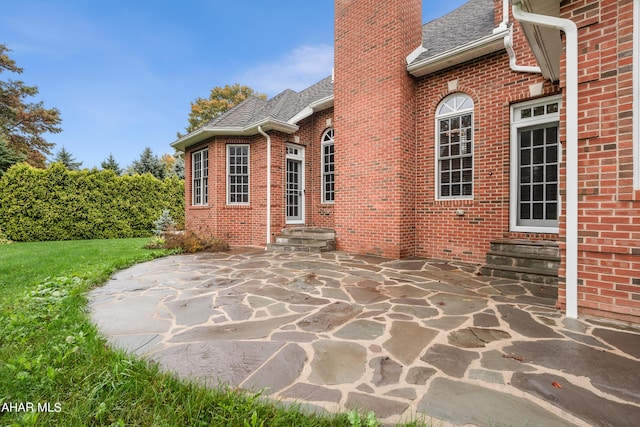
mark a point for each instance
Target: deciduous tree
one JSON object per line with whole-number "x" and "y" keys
{"x": 24, "y": 123}
{"x": 220, "y": 100}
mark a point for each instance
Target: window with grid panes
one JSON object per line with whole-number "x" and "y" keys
{"x": 535, "y": 165}
{"x": 454, "y": 130}
{"x": 328, "y": 190}
{"x": 200, "y": 178}
{"x": 238, "y": 174}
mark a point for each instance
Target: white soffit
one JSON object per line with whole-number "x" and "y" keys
{"x": 545, "y": 43}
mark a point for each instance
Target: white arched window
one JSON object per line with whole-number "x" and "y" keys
{"x": 328, "y": 191}
{"x": 454, "y": 147}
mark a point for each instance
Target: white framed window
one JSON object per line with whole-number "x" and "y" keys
{"x": 200, "y": 178}
{"x": 535, "y": 166}
{"x": 238, "y": 174}
{"x": 328, "y": 177}
{"x": 454, "y": 147}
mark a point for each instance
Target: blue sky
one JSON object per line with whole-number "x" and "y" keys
{"x": 123, "y": 73}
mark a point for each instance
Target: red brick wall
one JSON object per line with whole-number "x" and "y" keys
{"x": 440, "y": 231}
{"x": 375, "y": 125}
{"x": 246, "y": 225}
{"x": 608, "y": 207}
{"x": 318, "y": 214}
{"x": 238, "y": 225}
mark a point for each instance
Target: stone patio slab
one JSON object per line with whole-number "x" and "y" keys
{"x": 403, "y": 338}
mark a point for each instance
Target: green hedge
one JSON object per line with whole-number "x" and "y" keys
{"x": 58, "y": 204}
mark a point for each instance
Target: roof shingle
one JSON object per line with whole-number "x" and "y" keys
{"x": 470, "y": 22}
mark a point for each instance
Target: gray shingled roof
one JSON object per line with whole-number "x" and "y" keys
{"x": 470, "y": 22}
{"x": 281, "y": 107}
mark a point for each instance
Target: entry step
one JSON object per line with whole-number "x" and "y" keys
{"x": 304, "y": 239}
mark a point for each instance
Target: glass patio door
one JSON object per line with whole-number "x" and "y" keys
{"x": 295, "y": 185}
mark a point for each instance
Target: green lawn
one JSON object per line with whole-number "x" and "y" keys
{"x": 51, "y": 355}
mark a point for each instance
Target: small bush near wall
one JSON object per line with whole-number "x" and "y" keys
{"x": 58, "y": 204}
{"x": 190, "y": 242}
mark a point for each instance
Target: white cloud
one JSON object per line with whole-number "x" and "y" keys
{"x": 296, "y": 70}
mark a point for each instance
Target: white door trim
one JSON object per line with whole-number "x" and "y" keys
{"x": 295, "y": 153}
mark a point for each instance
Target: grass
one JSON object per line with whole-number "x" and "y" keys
{"x": 51, "y": 354}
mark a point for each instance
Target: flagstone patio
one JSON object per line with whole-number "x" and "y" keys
{"x": 405, "y": 338}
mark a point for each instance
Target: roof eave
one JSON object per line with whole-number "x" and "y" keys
{"x": 484, "y": 46}
{"x": 314, "y": 107}
{"x": 251, "y": 129}
{"x": 545, "y": 43}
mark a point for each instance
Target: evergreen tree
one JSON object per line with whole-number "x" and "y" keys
{"x": 148, "y": 163}
{"x": 7, "y": 156}
{"x": 66, "y": 158}
{"x": 178, "y": 166}
{"x": 24, "y": 123}
{"x": 110, "y": 163}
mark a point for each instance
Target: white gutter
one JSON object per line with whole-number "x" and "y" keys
{"x": 266, "y": 135}
{"x": 475, "y": 49}
{"x": 319, "y": 105}
{"x": 249, "y": 130}
{"x": 571, "y": 220}
{"x": 505, "y": 17}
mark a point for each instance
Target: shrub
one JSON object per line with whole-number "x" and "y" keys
{"x": 164, "y": 223}
{"x": 4, "y": 240}
{"x": 58, "y": 204}
{"x": 190, "y": 242}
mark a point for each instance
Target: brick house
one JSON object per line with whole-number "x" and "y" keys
{"x": 503, "y": 124}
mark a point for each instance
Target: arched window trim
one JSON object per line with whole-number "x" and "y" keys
{"x": 327, "y": 178}
{"x": 454, "y": 150}
{"x": 456, "y": 103}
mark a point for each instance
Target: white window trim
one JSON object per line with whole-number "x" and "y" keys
{"x": 636, "y": 95}
{"x": 437, "y": 147}
{"x": 322, "y": 164}
{"x": 248, "y": 202}
{"x": 513, "y": 161}
{"x": 204, "y": 185}
{"x": 300, "y": 156}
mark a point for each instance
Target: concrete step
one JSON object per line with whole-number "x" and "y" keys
{"x": 304, "y": 239}
{"x": 312, "y": 247}
{"x": 530, "y": 261}
{"x": 520, "y": 273}
{"x": 309, "y": 232}
{"x": 533, "y": 247}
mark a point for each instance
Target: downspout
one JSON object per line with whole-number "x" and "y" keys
{"x": 268, "y": 184}
{"x": 571, "y": 219}
{"x": 508, "y": 43}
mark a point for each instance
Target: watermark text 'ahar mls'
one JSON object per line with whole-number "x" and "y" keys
{"x": 30, "y": 407}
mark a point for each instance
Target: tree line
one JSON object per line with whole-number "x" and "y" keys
{"x": 161, "y": 167}
{"x": 23, "y": 124}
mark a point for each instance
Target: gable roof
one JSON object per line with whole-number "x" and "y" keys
{"x": 464, "y": 34}
{"x": 282, "y": 113}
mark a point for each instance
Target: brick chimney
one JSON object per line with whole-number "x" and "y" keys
{"x": 375, "y": 125}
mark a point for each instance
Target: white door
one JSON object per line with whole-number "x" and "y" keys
{"x": 295, "y": 185}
